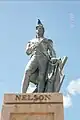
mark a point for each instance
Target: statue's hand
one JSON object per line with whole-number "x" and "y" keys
{"x": 30, "y": 48}
{"x": 54, "y": 60}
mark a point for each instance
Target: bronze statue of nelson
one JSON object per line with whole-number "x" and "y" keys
{"x": 44, "y": 69}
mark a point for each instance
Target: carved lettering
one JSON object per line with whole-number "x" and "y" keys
{"x": 41, "y": 97}
{"x": 29, "y": 97}
{"x": 23, "y": 97}
{"x": 48, "y": 97}
{"x": 18, "y": 97}
{"x": 34, "y": 97}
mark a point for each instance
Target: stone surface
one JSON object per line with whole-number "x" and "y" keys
{"x": 33, "y": 106}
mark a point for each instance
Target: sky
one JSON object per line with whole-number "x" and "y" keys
{"x": 62, "y": 24}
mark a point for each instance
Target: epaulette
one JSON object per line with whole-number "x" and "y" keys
{"x": 50, "y": 40}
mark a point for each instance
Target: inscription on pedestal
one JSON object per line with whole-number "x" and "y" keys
{"x": 34, "y": 97}
{"x": 33, "y": 116}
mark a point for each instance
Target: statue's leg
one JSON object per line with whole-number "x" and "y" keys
{"x": 29, "y": 70}
{"x": 43, "y": 61}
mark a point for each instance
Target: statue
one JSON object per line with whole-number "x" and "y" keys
{"x": 44, "y": 69}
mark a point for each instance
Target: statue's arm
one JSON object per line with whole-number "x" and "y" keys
{"x": 51, "y": 50}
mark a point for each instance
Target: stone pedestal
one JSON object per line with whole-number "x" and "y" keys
{"x": 33, "y": 106}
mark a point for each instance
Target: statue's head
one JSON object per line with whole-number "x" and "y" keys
{"x": 39, "y": 29}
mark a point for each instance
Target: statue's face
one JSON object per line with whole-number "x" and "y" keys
{"x": 40, "y": 30}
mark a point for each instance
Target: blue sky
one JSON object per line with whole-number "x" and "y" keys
{"x": 17, "y": 27}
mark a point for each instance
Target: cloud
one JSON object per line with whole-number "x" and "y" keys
{"x": 72, "y": 89}
{"x": 67, "y": 102}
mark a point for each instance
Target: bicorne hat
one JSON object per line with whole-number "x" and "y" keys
{"x": 39, "y": 23}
